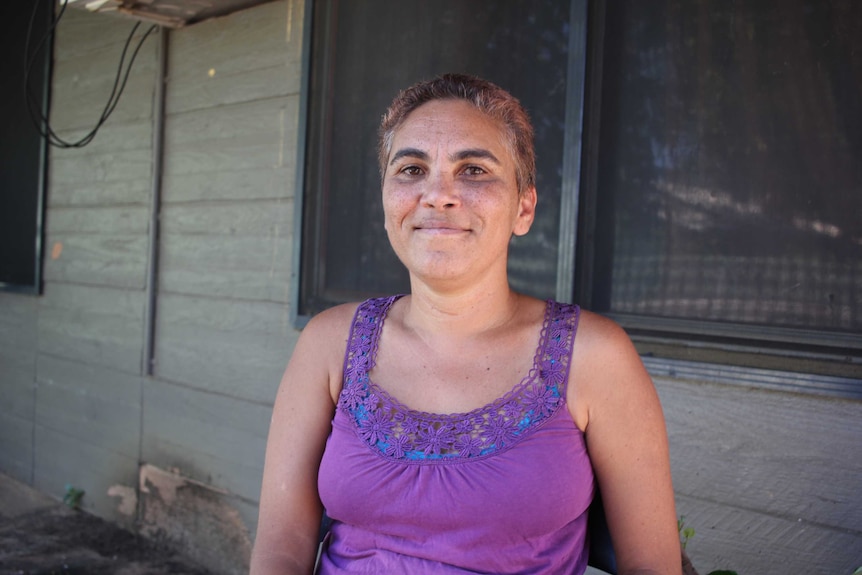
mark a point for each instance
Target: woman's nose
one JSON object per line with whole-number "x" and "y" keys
{"x": 440, "y": 192}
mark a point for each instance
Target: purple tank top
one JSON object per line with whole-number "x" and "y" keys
{"x": 501, "y": 489}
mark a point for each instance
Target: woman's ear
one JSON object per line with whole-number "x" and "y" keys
{"x": 526, "y": 211}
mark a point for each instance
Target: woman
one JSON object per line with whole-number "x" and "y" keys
{"x": 459, "y": 429}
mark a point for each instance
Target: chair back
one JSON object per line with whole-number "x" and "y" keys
{"x": 602, "y": 554}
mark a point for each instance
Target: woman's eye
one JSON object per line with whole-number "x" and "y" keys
{"x": 412, "y": 170}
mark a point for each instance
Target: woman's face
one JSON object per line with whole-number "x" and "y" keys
{"x": 450, "y": 195}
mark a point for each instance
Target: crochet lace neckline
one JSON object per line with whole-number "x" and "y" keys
{"x": 397, "y": 432}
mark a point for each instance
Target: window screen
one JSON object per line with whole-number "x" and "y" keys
{"x": 729, "y": 171}
{"x": 362, "y": 54}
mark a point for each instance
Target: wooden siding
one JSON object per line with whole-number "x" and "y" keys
{"x": 87, "y": 50}
{"x": 90, "y": 317}
{"x": 223, "y": 329}
{"x": 209, "y": 250}
{"x": 17, "y": 384}
{"x": 62, "y": 459}
{"x": 252, "y": 55}
{"x": 94, "y": 325}
{"x": 234, "y": 348}
{"x": 210, "y": 438}
{"x": 90, "y": 404}
{"x": 87, "y": 433}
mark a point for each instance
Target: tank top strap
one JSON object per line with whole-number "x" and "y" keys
{"x": 555, "y": 358}
{"x": 364, "y": 338}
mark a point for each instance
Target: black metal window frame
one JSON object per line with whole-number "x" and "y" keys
{"x": 25, "y": 177}
{"x": 809, "y": 361}
{"x": 798, "y": 360}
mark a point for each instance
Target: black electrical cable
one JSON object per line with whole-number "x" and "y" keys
{"x": 39, "y": 119}
{"x": 49, "y": 134}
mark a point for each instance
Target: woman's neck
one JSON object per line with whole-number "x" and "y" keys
{"x": 459, "y": 314}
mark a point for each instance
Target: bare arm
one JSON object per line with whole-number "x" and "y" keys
{"x": 615, "y": 403}
{"x": 290, "y": 509}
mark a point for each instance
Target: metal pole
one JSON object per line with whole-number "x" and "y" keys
{"x": 148, "y": 358}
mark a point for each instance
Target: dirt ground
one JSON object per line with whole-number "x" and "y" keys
{"x": 40, "y": 536}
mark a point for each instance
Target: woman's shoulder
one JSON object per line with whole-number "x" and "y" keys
{"x": 330, "y": 327}
{"x": 605, "y": 363}
{"x": 600, "y": 335}
{"x": 320, "y": 349}
{"x": 334, "y": 317}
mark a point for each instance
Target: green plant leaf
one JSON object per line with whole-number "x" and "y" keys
{"x": 73, "y": 496}
{"x": 688, "y": 532}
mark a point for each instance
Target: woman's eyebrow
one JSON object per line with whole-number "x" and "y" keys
{"x": 409, "y": 153}
{"x": 473, "y": 153}
{"x": 455, "y": 157}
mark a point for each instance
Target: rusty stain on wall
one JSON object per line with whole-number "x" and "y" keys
{"x": 167, "y": 482}
{"x": 128, "y": 498}
{"x": 195, "y": 517}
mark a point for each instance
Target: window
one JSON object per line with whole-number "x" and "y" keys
{"x": 362, "y": 54}
{"x": 728, "y": 187}
{"x": 716, "y": 204}
{"x": 22, "y": 150}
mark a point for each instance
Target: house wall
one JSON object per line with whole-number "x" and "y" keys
{"x": 17, "y": 385}
{"x": 223, "y": 330}
{"x": 768, "y": 480}
{"x": 89, "y": 321}
{"x": 178, "y": 454}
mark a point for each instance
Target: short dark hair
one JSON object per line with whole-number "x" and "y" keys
{"x": 487, "y": 97}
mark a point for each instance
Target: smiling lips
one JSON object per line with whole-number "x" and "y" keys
{"x": 441, "y": 227}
